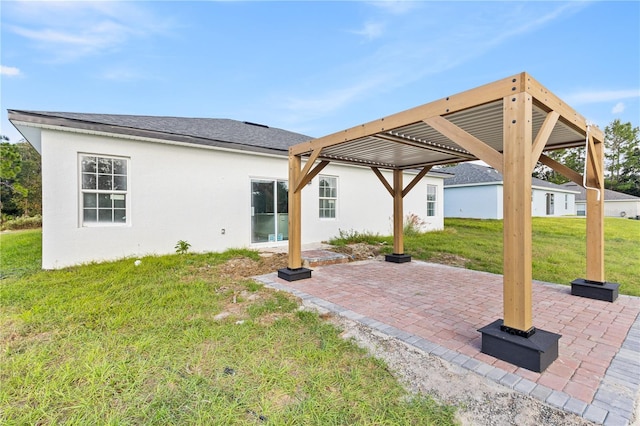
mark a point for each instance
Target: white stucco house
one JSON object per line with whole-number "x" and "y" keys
{"x": 475, "y": 191}
{"x": 616, "y": 204}
{"x": 118, "y": 186}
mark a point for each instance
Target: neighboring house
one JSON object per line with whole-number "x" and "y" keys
{"x": 616, "y": 204}
{"x": 476, "y": 192}
{"x": 117, "y": 186}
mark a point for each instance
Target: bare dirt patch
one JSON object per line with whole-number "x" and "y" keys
{"x": 244, "y": 267}
{"x": 480, "y": 401}
{"x": 359, "y": 251}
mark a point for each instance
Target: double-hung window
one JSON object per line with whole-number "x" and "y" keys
{"x": 328, "y": 196}
{"x": 103, "y": 190}
{"x": 432, "y": 190}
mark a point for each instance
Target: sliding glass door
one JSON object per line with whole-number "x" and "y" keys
{"x": 269, "y": 210}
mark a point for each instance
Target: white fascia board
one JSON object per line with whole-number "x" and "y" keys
{"x": 546, "y": 188}
{"x": 466, "y": 185}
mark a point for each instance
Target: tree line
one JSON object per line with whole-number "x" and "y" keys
{"x": 20, "y": 180}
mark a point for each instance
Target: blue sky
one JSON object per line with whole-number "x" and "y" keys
{"x": 310, "y": 67}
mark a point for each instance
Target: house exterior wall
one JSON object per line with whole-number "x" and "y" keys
{"x": 474, "y": 202}
{"x": 192, "y": 194}
{"x": 613, "y": 208}
{"x": 562, "y": 206}
{"x": 485, "y": 202}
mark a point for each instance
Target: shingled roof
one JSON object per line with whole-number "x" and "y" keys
{"x": 468, "y": 174}
{"x": 609, "y": 195}
{"x": 198, "y": 131}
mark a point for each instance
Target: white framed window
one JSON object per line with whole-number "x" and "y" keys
{"x": 328, "y": 196}
{"x": 566, "y": 201}
{"x": 103, "y": 190}
{"x": 432, "y": 191}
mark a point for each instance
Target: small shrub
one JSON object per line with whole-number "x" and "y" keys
{"x": 352, "y": 236}
{"x": 413, "y": 225}
{"x": 23, "y": 222}
{"x": 182, "y": 247}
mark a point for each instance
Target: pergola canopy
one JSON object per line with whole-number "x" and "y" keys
{"x": 508, "y": 124}
{"x": 457, "y": 128}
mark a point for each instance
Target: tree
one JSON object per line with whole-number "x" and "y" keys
{"x": 20, "y": 179}
{"x": 30, "y": 178}
{"x": 10, "y": 166}
{"x": 622, "y": 157}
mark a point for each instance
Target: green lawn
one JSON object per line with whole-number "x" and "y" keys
{"x": 559, "y": 248}
{"x": 115, "y": 343}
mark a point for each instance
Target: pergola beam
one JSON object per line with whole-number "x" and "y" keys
{"x": 565, "y": 171}
{"x": 384, "y": 181}
{"x": 468, "y": 99}
{"x": 415, "y": 180}
{"x": 467, "y": 141}
{"x": 542, "y": 137}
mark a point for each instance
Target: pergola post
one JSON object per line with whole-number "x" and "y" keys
{"x": 517, "y": 213}
{"x": 398, "y": 255}
{"x": 514, "y": 339}
{"x": 295, "y": 271}
{"x": 595, "y": 286}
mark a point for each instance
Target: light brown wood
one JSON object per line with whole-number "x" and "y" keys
{"x": 565, "y": 171}
{"x": 596, "y": 163}
{"x": 467, "y": 141}
{"x": 310, "y": 161}
{"x": 542, "y": 137}
{"x": 306, "y": 178}
{"x": 551, "y": 102}
{"x": 383, "y": 180}
{"x": 417, "y": 178}
{"x": 398, "y": 219}
{"x": 470, "y": 98}
{"x": 595, "y": 213}
{"x": 517, "y": 211}
{"x": 295, "y": 217}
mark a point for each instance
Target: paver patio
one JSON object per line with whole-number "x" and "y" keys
{"x": 439, "y": 309}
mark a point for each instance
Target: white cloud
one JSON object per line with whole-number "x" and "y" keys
{"x": 371, "y": 30}
{"x": 9, "y": 71}
{"x": 395, "y": 7}
{"x": 66, "y": 31}
{"x": 599, "y": 96}
{"x": 618, "y": 108}
{"x": 416, "y": 46}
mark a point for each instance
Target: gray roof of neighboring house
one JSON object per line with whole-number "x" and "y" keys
{"x": 473, "y": 174}
{"x": 609, "y": 195}
{"x": 200, "y": 131}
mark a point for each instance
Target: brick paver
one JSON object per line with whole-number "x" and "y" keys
{"x": 439, "y": 309}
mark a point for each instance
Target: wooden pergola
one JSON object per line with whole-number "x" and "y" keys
{"x": 508, "y": 124}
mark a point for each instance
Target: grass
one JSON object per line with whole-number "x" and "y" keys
{"x": 559, "y": 248}
{"x": 170, "y": 342}
{"x": 20, "y": 252}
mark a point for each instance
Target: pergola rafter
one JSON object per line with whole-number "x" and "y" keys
{"x": 508, "y": 124}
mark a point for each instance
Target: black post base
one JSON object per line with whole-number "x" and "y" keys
{"x": 534, "y": 353}
{"x": 397, "y": 258}
{"x": 296, "y": 274}
{"x": 595, "y": 289}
